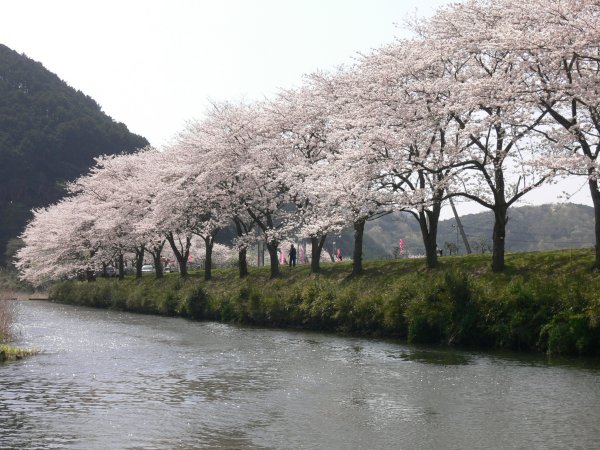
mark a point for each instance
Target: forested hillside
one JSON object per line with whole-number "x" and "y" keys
{"x": 49, "y": 134}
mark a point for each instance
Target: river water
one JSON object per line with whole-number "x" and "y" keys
{"x": 112, "y": 380}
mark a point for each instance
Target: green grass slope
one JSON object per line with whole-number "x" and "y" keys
{"x": 544, "y": 301}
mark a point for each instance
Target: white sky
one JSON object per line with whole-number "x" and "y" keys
{"x": 154, "y": 64}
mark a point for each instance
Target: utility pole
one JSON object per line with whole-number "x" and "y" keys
{"x": 260, "y": 250}
{"x": 460, "y": 228}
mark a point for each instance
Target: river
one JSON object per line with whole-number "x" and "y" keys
{"x": 113, "y": 380}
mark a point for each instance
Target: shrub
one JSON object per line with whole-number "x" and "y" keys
{"x": 345, "y": 310}
{"x": 63, "y": 292}
{"x": 168, "y": 303}
{"x": 195, "y": 303}
{"x": 428, "y": 315}
{"x": 465, "y": 318}
{"x": 568, "y": 333}
{"x": 369, "y": 313}
{"x": 226, "y": 310}
{"x": 137, "y": 298}
{"x": 275, "y": 312}
{"x": 119, "y": 296}
{"x": 359, "y": 314}
{"x": 522, "y": 310}
{"x": 254, "y": 309}
{"x": 247, "y": 307}
{"x": 318, "y": 307}
{"x": 99, "y": 296}
{"x": 394, "y": 311}
{"x": 289, "y": 309}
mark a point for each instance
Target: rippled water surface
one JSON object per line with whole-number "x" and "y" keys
{"x": 108, "y": 380}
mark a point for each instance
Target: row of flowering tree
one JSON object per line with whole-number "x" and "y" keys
{"x": 488, "y": 101}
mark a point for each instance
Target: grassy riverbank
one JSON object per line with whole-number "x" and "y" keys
{"x": 546, "y": 301}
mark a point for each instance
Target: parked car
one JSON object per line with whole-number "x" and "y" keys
{"x": 147, "y": 268}
{"x": 111, "y": 271}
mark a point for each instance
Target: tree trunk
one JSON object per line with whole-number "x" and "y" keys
{"x": 272, "y": 245}
{"x": 182, "y": 262}
{"x": 242, "y": 262}
{"x": 158, "y": 267}
{"x": 316, "y": 247}
{"x": 500, "y": 208}
{"x": 359, "y": 230}
{"x": 139, "y": 261}
{"x": 428, "y": 225}
{"x": 208, "y": 243}
{"x": 595, "y": 194}
{"x": 156, "y": 253}
{"x": 181, "y": 256}
{"x": 121, "y": 267}
{"x": 274, "y": 257}
{"x": 90, "y": 275}
{"x": 499, "y": 241}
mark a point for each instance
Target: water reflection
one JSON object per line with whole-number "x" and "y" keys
{"x": 436, "y": 357}
{"x": 115, "y": 380}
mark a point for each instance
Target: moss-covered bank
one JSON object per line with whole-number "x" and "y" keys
{"x": 546, "y": 301}
{"x": 10, "y": 353}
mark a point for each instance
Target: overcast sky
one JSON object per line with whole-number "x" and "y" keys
{"x": 154, "y": 64}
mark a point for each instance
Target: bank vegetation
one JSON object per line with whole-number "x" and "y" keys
{"x": 544, "y": 301}
{"x": 9, "y": 352}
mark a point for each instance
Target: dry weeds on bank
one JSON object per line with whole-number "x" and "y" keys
{"x": 7, "y": 318}
{"x": 6, "y": 315}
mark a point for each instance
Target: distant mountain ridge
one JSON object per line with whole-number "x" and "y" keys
{"x": 49, "y": 134}
{"x": 530, "y": 228}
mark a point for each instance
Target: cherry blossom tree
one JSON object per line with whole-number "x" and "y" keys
{"x": 487, "y": 100}
{"x": 169, "y": 215}
{"x": 351, "y": 173}
{"x": 400, "y": 96}
{"x": 300, "y": 121}
{"x": 124, "y": 195}
{"x": 559, "y": 47}
{"x": 249, "y": 170}
{"x": 59, "y": 241}
{"x": 201, "y": 207}
{"x": 490, "y": 100}
{"x": 243, "y": 227}
{"x": 208, "y": 147}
